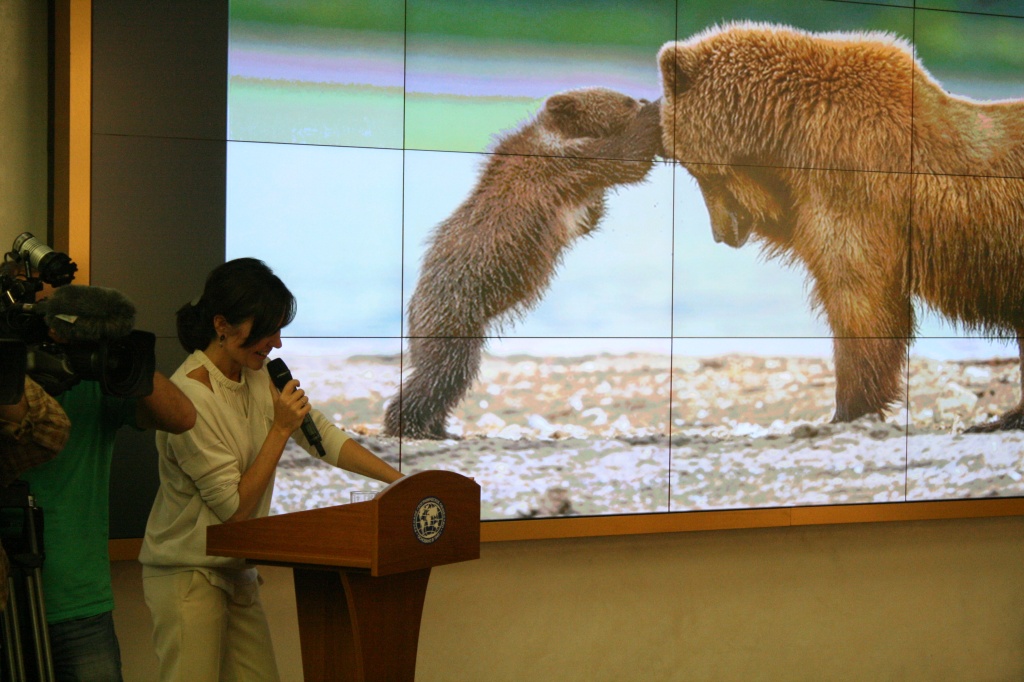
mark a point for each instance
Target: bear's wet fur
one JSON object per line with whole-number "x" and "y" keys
{"x": 841, "y": 152}
{"x": 493, "y": 258}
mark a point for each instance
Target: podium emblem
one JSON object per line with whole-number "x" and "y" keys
{"x": 428, "y": 520}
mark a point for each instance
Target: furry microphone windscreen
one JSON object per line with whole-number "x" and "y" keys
{"x": 87, "y": 313}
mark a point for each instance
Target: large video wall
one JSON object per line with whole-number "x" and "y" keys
{"x": 659, "y": 369}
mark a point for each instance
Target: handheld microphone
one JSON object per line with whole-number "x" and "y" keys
{"x": 280, "y": 375}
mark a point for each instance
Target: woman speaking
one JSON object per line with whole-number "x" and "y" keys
{"x": 208, "y": 621}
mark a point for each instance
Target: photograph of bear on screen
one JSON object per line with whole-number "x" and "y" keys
{"x": 644, "y": 256}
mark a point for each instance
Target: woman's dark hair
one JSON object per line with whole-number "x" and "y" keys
{"x": 240, "y": 290}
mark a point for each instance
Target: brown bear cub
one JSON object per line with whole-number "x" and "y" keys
{"x": 841, "y": 152}
{"x": 492, "y": 259}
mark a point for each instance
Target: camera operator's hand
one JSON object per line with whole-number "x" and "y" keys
{"x": 291, "y": 405}
{"x": 31, "y": 432}
{"x": 35, "y": 406}
{"x": 16, "y": 412}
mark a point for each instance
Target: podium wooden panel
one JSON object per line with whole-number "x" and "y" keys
{"x": 361, "y": 570}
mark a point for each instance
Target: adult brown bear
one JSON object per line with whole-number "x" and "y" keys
{"x": 542, "y": 188}
{"x": 840, "y": 151}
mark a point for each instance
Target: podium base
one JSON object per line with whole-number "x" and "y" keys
{"x": 354, "y": 627}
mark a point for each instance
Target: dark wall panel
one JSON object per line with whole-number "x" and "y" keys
{"x": 158, "y": 183}
{"x": 158, "y": 221}
{"x": 134, "y": 477}
{"x": 160, "y": 68}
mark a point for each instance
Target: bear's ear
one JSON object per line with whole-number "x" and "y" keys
{"x": 678, "y": 65}
{"x": 564, "y": 107}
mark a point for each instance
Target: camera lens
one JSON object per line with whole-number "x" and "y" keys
{"x": 123, "y": 367}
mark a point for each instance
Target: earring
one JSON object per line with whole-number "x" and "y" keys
{"x": 222, "y": 337}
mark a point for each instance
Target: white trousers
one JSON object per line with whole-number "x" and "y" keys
{"x": 202, "y": 633}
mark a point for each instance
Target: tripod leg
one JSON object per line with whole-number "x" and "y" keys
{"x": 37, "y": 604}
{"x": 10, "y": 667}
{"x": 12, "y": 635}
{"x": 40, "y": 631}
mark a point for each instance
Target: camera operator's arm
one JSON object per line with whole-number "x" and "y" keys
{"x": 166, "y": 408}
{"x": 31, "y": 432}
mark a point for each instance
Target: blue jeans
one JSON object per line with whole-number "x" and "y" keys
{"x": 86, "y": 649}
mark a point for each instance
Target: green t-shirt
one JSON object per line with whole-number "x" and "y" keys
{"x": 73, "y": 490}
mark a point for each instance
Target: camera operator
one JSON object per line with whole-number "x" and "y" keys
{"x": 73, "y": 490}
{"x": 89, "y": 325}
{"x": 32, "y": 431}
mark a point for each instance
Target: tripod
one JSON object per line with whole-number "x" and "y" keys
{"x": 25, "y": 615}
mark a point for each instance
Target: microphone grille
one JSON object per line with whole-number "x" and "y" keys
{"x": 279, "y": 373}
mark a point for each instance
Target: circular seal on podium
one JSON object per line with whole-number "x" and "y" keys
{"x": 428, "y": 520}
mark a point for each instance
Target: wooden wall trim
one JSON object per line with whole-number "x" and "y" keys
{"x": 680, "y": 522}
{"x": 71, "y": 160}
{"x": 126, "y": 549}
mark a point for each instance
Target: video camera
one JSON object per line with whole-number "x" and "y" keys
{"x": 92, "y": 335}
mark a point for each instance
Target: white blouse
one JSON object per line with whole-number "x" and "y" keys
{"x": 201, "y": 468}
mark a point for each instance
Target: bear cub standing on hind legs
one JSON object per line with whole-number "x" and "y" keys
{"x": 840, "y": 151}
{"x": 493, "y": 258}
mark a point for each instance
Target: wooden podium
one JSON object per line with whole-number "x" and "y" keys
{"x": 361, "y": 569}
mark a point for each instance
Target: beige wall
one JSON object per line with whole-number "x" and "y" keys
{"x": 23, "y": 111}
{"x": 929, "y": 600}
{"x": 939, "y": 600}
